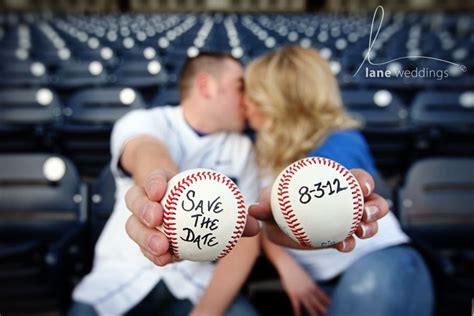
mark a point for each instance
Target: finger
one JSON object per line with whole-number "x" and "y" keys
{"x": 156, "y": 184}
{"x": 346, "y": 245}
{"x": 261, "y": 211}
{"x": 322, "y": 296}
{"x": 149, "y": 212}
{"x": 311, "y": 305}
{"x": 158, "y": 260}
{"x": 295, "y": 303}
{"x": 365, "y": 231}
{"x": 365, "y": 180}
{"x": 375, "y": 207}
{"x": 252, "y": 227}
{"x": 148, "y": 239}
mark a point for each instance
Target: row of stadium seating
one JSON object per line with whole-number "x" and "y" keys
{"x": 31, "y": 119}
{"x": 72, "y": 51}
{"x": 50, "y": 221}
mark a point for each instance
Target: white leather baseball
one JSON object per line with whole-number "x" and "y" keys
{"x": 204, "y": 215}
{"x": 317, "y": 202}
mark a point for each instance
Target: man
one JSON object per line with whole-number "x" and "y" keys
{"x": 202, "y": 132}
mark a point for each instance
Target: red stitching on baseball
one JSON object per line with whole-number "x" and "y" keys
{"x": 286, "y": 207}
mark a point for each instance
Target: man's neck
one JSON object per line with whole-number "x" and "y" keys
{"x": 198, "y": 119}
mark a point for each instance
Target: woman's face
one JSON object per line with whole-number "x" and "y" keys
{"x": 253, "y": 114}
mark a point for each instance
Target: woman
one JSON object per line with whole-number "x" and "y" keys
{"x": 293, "y": 101}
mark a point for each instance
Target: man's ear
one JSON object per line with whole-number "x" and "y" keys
{"x": 206, "y": 84}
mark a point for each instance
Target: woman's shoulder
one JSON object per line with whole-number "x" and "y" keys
{"x": 342, "y": 138}
{"x": 346, "y": 135}
{"x": 348, "y": 147}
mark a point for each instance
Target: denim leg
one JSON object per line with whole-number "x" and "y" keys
{"x": 81, "y": 309}
{"x": 391, "y": 281}
{"x": 241, "y": 307}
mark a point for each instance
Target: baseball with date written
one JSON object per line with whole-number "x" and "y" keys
{"x": 317, "y": 202}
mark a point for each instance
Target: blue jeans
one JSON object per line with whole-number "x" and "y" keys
{"x": 390, "y": 281}
{"x": 160, "y": 301}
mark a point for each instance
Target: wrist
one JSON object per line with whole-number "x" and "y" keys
{"x": 201, "y": 309}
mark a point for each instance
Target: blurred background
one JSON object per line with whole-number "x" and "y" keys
{"x": 70, "y": 69}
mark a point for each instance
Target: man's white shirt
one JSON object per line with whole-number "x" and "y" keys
{"x": 122, "y": 276}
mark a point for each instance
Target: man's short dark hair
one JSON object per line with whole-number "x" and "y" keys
{"x": 209, "y": 62}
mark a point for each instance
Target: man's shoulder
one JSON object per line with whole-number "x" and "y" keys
{"x": 159, "y": 110}
{"x": 156, "y": 113}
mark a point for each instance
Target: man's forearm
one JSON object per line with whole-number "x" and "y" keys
{"x": 145, "y": 154}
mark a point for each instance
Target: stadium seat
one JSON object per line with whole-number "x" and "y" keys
{"x": 437, "y": 210}
{"x": 445, "y": 121}
{"x": 79, "y": 75}
{"x": 102, "y": 202}
{"x": 89, "y": 118}
{"x": 140, "y": 74}
{"x": 166, "y": 97}
{"x": 23, "y": 73}
{"x": 42, "y": 214}
{"x": 436, "y": 202}
{"x": 26, "y": 116}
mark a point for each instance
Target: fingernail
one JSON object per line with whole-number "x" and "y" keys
{"x": 370, "y": 212}
{"x": 369, "y": 188}
{"x": 252, "y": 205}
{"x": 365, "y": 230}
{"x": 147, "y": 215}
{"x": 154, "y": 244}
{"x": 343, "y": 244}
{"x": 153, "y": 187}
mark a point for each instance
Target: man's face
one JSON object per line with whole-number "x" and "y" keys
{"x": 229, "y": 96}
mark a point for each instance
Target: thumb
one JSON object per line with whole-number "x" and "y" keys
{"x": 252, "y": 227}
{"x": 156, "y": 184}
{"x": 262, "y": 209}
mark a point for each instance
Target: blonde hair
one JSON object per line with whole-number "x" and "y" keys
{"x": 298, "y": 95}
